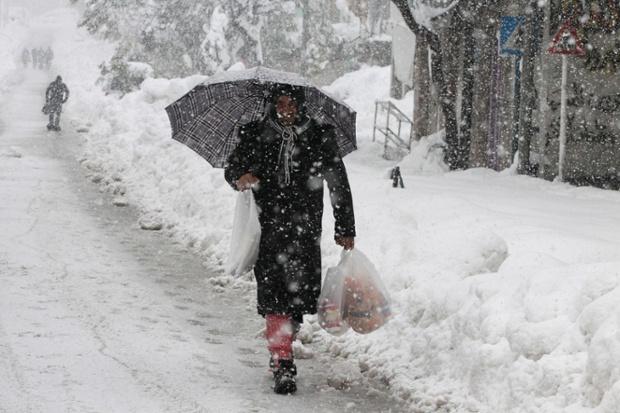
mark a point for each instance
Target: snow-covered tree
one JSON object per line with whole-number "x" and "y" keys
{"x": 180, "y": 38}
{"x": 320, "y": 41}
{"x": 175, "y": 37}
{"x": 246, "y": 27}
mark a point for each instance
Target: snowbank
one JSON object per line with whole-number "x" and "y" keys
{"x": 505, "y": 288}
{"x": 426, "y": 156}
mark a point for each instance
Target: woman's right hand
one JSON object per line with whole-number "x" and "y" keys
{"x": 246, "y": 182}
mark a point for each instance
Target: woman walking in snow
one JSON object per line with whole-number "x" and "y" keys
{"x": 284, "y": 160}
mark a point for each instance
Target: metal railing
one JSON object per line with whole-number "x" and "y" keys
{"x": 396, "y": 125}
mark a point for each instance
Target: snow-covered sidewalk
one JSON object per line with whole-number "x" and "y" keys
{"x": 97, "y": 315}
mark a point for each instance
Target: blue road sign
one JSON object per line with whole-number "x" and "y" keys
{"x": 511, "y": 36}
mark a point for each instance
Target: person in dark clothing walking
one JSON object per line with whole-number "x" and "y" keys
{"x": 49, "y": 57}
{"x": 35, "y": 58}
{"x": 41, "y": 52}
{"x": 25, "y": 58}
{"x": 284, "y": 159}
{"x": 56, "y": 95}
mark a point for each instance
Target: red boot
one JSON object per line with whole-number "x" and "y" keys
{"x": 280, "y": 344}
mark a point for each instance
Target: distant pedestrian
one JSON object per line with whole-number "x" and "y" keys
{"x": 25, "y": 57}
{"x": 56, "y": 95}
{"x": 49, "y": 57}
{"x": 41, "y": 53}
{"x": 35, "y": 58}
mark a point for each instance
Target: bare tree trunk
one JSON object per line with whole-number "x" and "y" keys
{"x": 446, "y": 98}
{"x": 468, "y": 95}
{"x": 530, "y": 97}
{"x": 423, "y": 119}
{"x": 451, "y": 40}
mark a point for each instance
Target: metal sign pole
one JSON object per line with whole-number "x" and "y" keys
{"x": 566, "y": 42}
{"x": 517, "y": 108}
{"x": 563, "y": 119}
{"x": 511, "y": 40}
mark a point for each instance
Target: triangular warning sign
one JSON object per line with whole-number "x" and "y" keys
{"x": 567, "y": 42}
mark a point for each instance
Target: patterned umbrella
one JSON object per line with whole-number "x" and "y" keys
{"x": 207, "y": 118}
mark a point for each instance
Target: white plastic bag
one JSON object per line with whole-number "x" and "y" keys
{"x": 366, "y": 300}
{"x": 331, "y": 303}
{"x": 353, "y": 295}
{"x": 245, "y": 237}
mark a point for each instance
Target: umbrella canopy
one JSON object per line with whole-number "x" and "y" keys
{"x": 207, "y": 118}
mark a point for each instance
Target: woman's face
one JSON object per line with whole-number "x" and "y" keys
{"x": 286, "y": 110}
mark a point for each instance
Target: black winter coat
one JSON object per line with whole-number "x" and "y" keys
{"x": 56, "y": 94}
{"x": 288, "y": 268}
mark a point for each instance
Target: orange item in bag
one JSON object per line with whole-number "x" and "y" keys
{"x": 366, "y": 307}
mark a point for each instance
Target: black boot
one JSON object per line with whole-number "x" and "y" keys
{"x": 284, "y": 377}
{"x": 274, "y": 369}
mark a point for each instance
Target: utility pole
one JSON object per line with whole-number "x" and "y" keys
{"x": 511, "y": 45}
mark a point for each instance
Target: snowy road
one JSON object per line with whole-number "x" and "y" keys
{"x": 99, "y": 316}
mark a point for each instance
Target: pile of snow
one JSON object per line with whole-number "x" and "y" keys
{"x": 360, "y": 90}
{"x": 505, "y": 288}
{"x": 426, "y": 157}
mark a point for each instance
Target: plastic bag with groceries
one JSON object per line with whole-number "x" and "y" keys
{"x": 353, "y": 296}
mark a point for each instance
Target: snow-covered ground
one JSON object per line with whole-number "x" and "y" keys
{"x": 505, "y": 287}
{"x": 97, "y": 315}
